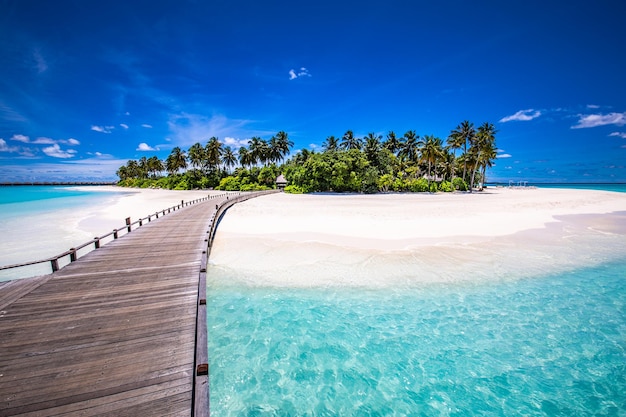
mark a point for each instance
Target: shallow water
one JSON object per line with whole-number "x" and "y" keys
{"x": 551, "y": 345}
{"x": 42, "y": 221}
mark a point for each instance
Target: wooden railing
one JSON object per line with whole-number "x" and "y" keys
{"x": 74, "y": 253}
{"x": 201, "y": 364}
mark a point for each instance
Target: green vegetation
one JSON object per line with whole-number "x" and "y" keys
{"x": 363, "y": 165}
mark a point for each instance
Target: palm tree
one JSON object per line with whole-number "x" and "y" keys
{"x": 331, "y": 144}
{"x": 273, "y": 150}
{"x": 349, "y": 142}
{"x": 132, "y": 169}
{"x": 466, "y": 133}
{"x": 143, "y": 167}
{"x": 284, "y": 144}
{"x": 155, "y": 166}
{"x": 372, "y": 147}
{"x": 259, "y": 150}
{"x": 196, "y": 155}
{"x": 447, "y": 165}
{"x": 228, "y": 158}
{"x": 455, "y": 141}
{"x": 392, "y": 143}
{"x": 487, "y": 151}
{"x": 432, "y": 151}
{"x": 213, "y": 153}
{"x": 176, "y": 161}
{"x": 411, "y": 148}
{"x": 122, "y": 172}
{"x": 245, "y": 157}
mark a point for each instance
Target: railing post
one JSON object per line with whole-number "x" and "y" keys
{"x": 96, "y": 242}
{"x": 114, "y": 233}
{"x": 55, "y": 264}
{"x": 140, "y": 222}
{"x": 128, "y": 224}
{"x": 72, "y": 254}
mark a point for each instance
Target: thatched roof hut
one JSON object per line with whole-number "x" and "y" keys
{"x": 281, "y": 182}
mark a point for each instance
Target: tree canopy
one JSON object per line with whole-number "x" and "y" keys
{"x": 351, "y": 164}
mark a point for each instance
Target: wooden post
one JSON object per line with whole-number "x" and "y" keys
{"x": 96, "y": 242}
{"x": 55, "y": 264}
{"x": 114, "y": 233}
{"x": 72, "y": 255}
{"x": 182, "y": 203}
{"x": 140, "y": 222}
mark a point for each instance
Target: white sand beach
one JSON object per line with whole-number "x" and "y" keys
{"x": 372, "y": 240}
{"x": 49, "y": 232}
{"x": 138, "y": 203}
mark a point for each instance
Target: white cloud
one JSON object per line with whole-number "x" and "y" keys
{"x": 302, "y": 72}
{"x": 503, "y": 155}
{"x": 3, "y": 146}
{"x": 56, "y": 151}
{"x": 124, "y": 125}
{"x": 235, "y": 143}
{"x": 102, "y": 129}
{"x": 43, "y": 141}
{"x": 594, "y": 120}
{"x": 619, "y": 134}
{"x": 187, "y": 129}
{"x": 144, "y": 147}
{"x": 88, "y": 169}
{"x": 593, "y": 106}
{"x": 147, "y": 126}
{"x": 522, "y": 116}
{"x": 40, "y": 63}
{"x": 21, "y": 138}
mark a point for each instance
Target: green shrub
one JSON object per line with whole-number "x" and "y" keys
{"x": 229, "y": 184}
{"x": 419, "y": 185}
{"x": 294, "y": 189}
{"x": 459, "y": 184}
{"x": 446, "y": 187}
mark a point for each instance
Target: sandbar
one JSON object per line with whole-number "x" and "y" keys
{"x": 407, "y": 239}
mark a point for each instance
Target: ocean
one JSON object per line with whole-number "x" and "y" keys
{"x": 544, "y": 344}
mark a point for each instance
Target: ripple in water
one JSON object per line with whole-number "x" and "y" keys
{"x": 554, "y": 345}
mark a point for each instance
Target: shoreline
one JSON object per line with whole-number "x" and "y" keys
{"x": 407, "y": 239}
{"x": 35, "y": 236}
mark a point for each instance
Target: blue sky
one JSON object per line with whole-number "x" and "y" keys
{"x": 86, "y": 85}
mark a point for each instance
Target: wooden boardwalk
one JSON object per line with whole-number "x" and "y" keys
{"x": 113, "y": 333}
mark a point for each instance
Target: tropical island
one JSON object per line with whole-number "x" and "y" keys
{"x": 409, "y": 163}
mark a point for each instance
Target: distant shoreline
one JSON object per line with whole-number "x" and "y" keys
{"x": 59, "y": 183}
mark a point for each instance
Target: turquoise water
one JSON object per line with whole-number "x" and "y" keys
{"x": 550, "y": 345}
{"x": 41, "y": 221}
{"x": 620, "y": 188}
{"x": 553, "y": 345}
{"x": 34, "y": 199}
